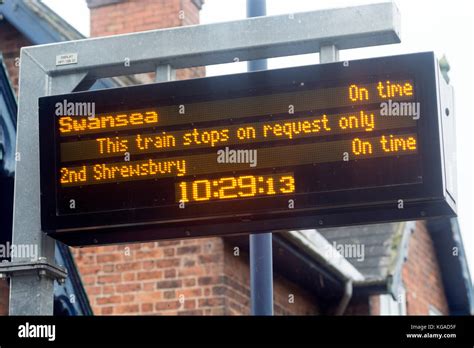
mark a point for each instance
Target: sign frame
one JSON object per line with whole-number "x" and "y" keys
{"x": 156, "y": 51}
{"x": 419, "y": 200}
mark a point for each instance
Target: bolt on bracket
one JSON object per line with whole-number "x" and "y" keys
{"x": 41, "y": 266}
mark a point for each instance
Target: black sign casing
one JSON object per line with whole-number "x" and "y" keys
{"x": 135, "y": 215}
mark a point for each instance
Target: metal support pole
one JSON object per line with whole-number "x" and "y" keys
{"x": 261, "y": 274}
{"x": 328, "y": 54}
{"x": 165, "y": 73}
{"x": 261, "y": 256}
{"x": 32, "y": 283}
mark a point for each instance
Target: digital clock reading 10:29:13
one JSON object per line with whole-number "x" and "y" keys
{"x": 230, "y": 187}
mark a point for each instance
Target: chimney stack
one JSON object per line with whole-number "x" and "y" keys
{"x": 111, "y": 17}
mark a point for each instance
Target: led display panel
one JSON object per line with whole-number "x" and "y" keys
{"x": 313, "y": 146}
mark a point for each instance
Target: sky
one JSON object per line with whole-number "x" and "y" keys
{"x": 440, "y": 26}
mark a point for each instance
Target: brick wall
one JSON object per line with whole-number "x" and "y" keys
{"x": 11, "y": 40}
{"x": 190, "y": 277}
{"x": 288, "y": 297}
{"x": 168, "y": 277}
{"x": 140, "y": 15}
{"x": 3, "y": 297}
{"x": 422, "y": 276}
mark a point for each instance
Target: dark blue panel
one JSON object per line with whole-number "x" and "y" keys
{"x": 70, "y": 298}
{"x": 453, "y": 264}
{"x": 36, "y": 29}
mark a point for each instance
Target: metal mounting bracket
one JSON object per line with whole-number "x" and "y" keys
{"x": 42, "y": 267}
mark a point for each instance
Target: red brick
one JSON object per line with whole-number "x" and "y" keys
{"x": 109, "y": 299}
{"x": 127, "y": 309}
{"x": 213, "y": 258}
{"x": 149, "y": 254}
{"x": 127, "y": 298}
{"x": 169, "y": 294}
{"x": 130, "y": 287}
{"x": 106, "y": 310}
{"x": 211, "y": 302}
{"x": 129, "y": 276}
{"x": 190, "y": 271}
{"x": 192, "y": 249}
{"x": 4, "y": 295}
{"x": 208, "y": 280}
{"x": 422, "y": 275}
{"x": 149, "y": 286}
{"x": 108, "y": 289}
{"x": 190, "y": 293}
{"x": 149, "y": 264}
{"x": 168, "y": 284}
{"x": 170, "y": 273}
{"x": 189, "y": 282}
{"x": 169, "y": 252}
{"x": 148, "y": 296}
{"x": 107, "y": 279}
{"x": 92, "y": 269}
{"x": 169, "y": 242}
{"x": 197, "y": 312}
{"x": 108, "y": 258}
{"x": 128, "y": 266}
{"x": 89, "y": 280}
{"x": 218, "y": 290}
{"x": 188, "y": 262}
{"x": 149, "y": 275}
{"x": 95, "y": 290}
{"x": 167, "y": 263}
{"x": 108, "y": 268}
{"x": 189, "y": 304}
{"x": 164, "y": 305}
{"x": 146, "y": 307}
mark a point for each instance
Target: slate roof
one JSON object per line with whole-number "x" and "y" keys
{"x": 383, "y": 245}
{"x": 386, "y": 247}
{"x": 37, "y": 22}
{"x": 41, "y": 25}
